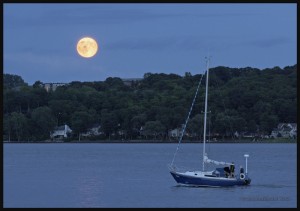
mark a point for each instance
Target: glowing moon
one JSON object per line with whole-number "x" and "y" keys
{"x": 87, "y": 47}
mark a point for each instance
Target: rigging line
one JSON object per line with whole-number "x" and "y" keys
{"x": 187, "y": 119}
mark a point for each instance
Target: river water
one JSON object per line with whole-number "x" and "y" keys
{"x": 74, "y": 175}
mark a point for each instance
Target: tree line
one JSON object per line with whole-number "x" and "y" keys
{"x": 240, "y": 99}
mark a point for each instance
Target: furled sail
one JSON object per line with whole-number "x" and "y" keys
{"x": 206, "y": 160}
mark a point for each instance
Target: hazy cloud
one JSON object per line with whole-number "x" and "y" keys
{"x": 78, "y": 14}
{"x": 268, "y": 43}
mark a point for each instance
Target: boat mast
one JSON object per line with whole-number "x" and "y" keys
{"x": 205, "y": 111}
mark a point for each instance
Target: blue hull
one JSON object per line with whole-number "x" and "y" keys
{"x": 209, "y": 181}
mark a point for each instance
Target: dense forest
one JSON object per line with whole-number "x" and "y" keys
{"x": 240, "y": 99}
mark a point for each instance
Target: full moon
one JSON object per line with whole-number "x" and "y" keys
{"x": 87, "y": 47}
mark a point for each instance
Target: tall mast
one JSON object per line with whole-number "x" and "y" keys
{"x": 205, "y": 111}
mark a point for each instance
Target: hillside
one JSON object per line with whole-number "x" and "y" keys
{"x": 240, "y": 99}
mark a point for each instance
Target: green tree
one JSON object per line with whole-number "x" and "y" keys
{"x": 154, "y": 129}
{"x": 81, "y": 121}
{"x": 268, "y": 122}
{"x": 195, "y": 126}
{"x": 12, "y": 81}
{"x": 137, "y": 122}
{"x": 43, "y": 122}
{"x": 109, "y": 122}
{"x": 7, "y": 127}
{"x": 19, "y": 126}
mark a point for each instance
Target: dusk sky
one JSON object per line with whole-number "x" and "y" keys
{"x": 134, "y": 39}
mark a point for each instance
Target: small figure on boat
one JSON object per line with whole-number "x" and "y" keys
{"x": 232, "y": 169}
{"x": 241, "y": 170}
{"x": 227, "y": 171}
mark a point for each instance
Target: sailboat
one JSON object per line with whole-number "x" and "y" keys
{"x": 219, "y": 177}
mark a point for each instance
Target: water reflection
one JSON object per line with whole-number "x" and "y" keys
{"x": 90, "y": 190}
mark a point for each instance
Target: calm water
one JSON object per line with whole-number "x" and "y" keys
{"x": 136, "y": 175}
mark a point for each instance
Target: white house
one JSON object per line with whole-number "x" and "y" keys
{"x": 285, "y": 130}
{"x": 293, "y": 131}
{"x": 93, "y": 131}
{"x": 177, "y": 132}
{"x": 52, "y": 86}
{"x": 130, "y": 81}
{"x": 61, "y": 132}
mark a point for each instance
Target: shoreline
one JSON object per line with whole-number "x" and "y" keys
{"x": 157, "y": 141}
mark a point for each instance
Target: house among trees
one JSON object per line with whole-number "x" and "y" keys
{"x": 131, "y": 81}
{"x": 93, "y": 131}
{"x": 52, "y": 86}
{"x": 285, "y": 130}
{"x": 175, "y": 133}
{"x": 61, "y": 132}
